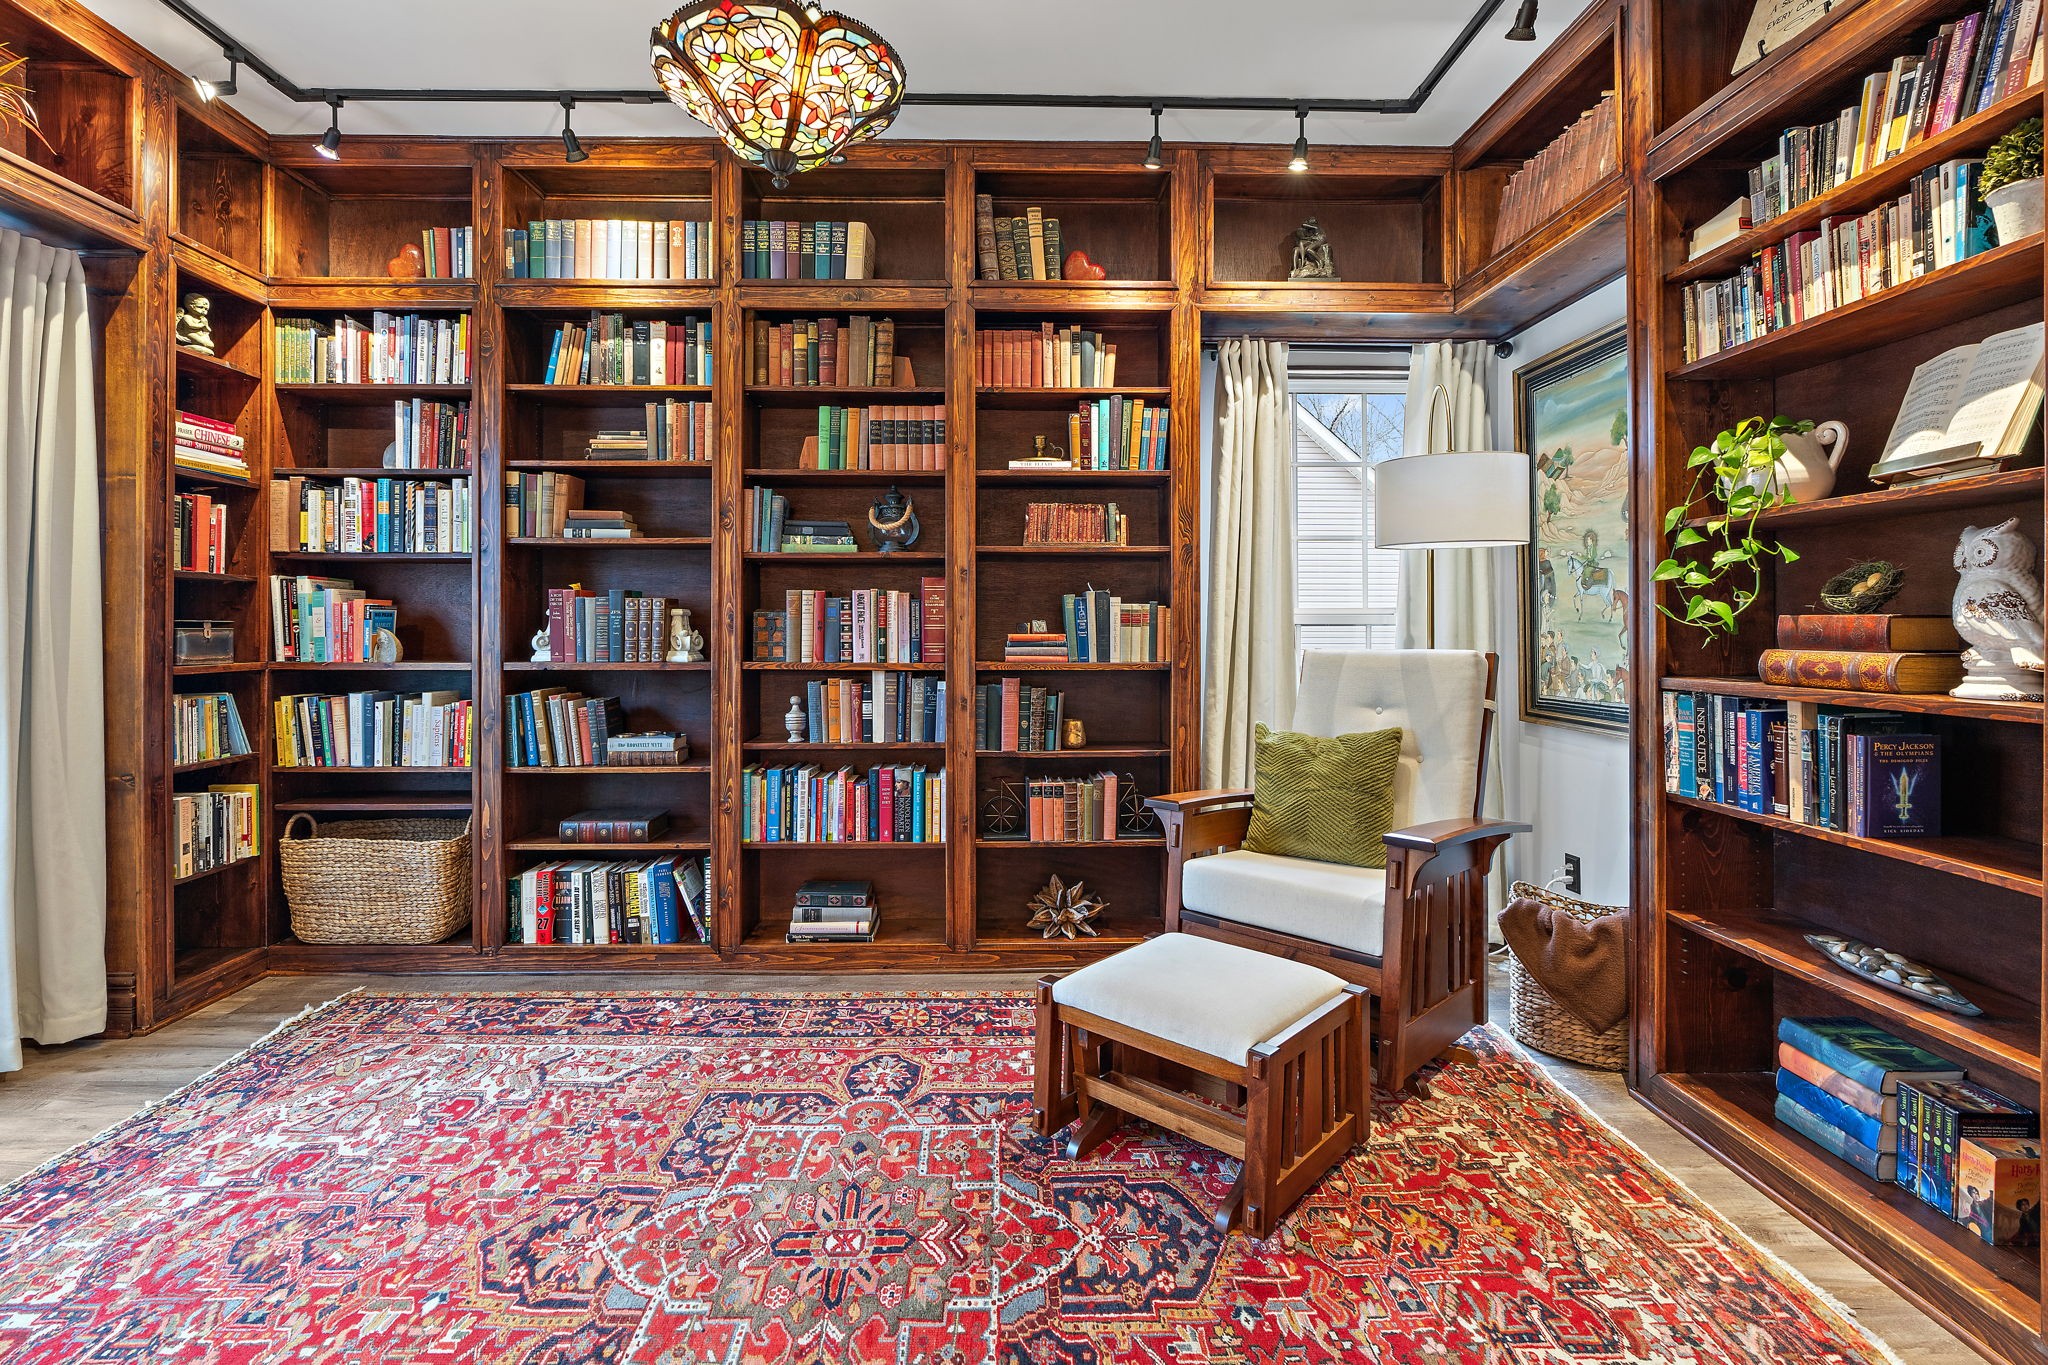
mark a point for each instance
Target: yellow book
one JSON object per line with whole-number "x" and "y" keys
{"x": 1035, "y": 216}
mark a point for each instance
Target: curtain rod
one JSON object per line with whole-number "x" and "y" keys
{"x": 1502, "y": 349}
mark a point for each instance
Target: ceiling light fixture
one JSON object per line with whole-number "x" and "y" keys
{"x": 786, "y": 85}
{"x": 1299, "y": 161}
{"x": 330, "y": 141}
{"x": 1155, "y": 151}
{"x": 572, "y": 146}
{"x": 209, "y": 91}
{"x": 1524, "y": 30}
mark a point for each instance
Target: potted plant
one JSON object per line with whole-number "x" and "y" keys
{"x": 1719, "y": 580}
{"x": 2011, "y": 183}
{"x": 15, "y": 105}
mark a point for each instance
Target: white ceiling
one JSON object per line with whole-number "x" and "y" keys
{"x": 1294, "y": 49}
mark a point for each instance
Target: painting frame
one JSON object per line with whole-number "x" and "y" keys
{"x": 1558, "y": 687}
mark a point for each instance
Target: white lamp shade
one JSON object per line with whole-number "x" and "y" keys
{"x": 1460, "y": 499}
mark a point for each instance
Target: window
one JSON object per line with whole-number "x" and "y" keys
{"x": 1344, "y": 589}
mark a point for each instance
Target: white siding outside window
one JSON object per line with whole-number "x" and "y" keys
{"x": 1345, "y": 590}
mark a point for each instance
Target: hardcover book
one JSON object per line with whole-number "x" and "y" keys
{"x": 1865, "y": 1053}
{"x": 1895, "y": 786}
{"x": 1883, "y": 1108}
{"x": 1998, "y": 1190}
{"x": 1873, "y": 1133}
{"x": 1877, "y": 1165}
{"x": 1949, "y": 1112}
{"x": 1861, "y": 670}
{"x": 1872, "y": 631}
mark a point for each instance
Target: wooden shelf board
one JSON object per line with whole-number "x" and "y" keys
{"x": 1069, "y": 551}
{"x": 856, "y": 557}
{"x": 848, "y": 846}
{"x": 606, "y": 956}
{"x": 606, "y": 395}
{"x": 378, "y": 393}
{"x": 1574, "y": 252}
{"x": 783, "y": 746}
{"x": 1154, "y": 844}
{"x": 208, "y": 476}
{"x": 1885, "y": 181}
{"x": 848, "y": 475}
{"x": 337, "y": 770}
{"x": 1053, "y": 666}
{"x": 360, "y": 666}
{"x": 755, "y": 666}
{"x": 540, "y": 843}
{"x": 573, "y": 666}
{"x": 827, "y": 395}
{"x": 991, "y": 396}
{"x": 1977, "y": 490}
{"x": 610, "y": 769}
{"x": 208, "y": 764}
{"x": 192, "y": 965}
{"x": 199, "y": 362}
{"x": 526, "y": 292}
{"x": 206, "y": 576}
{"x": 363, "y": 293}
{"x": 1991, "y": 279}
{"x": 329, "y": 556}
{"x": 1928, "y": 704}
{"x": 366, "y": 472}
{"x": 1058, "y": 476}
{"x": 202, "y": 670}
{"x": 2007, "y": 1034}
{"x": 1029, "y": 296}
{"x": 635, "y": 468}
{"x": 378, "y": 803}
{"x": 616, "y": 542}
{"x": 1988, "y": 859}
{"x": 251, "y": 861}
{"x": 1084, "y": 753}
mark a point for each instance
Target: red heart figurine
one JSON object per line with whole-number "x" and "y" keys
{"x": 1079, "y": 267}
{"x": 409, "y": 264}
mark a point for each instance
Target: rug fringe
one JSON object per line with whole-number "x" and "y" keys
{"x": 1764, "y": 1253}
{"x": 295, "y": 1021}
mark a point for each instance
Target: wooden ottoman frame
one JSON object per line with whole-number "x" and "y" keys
{"x": 1306, "y": 1096}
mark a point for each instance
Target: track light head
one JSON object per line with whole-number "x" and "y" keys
{"x": 1155, "y": 151}
{"x": 209, "y": 91}
{"x": 330, "y": 141}
{"x": 1524, "y": 30}
{"x": 1299, "y": 161}
{"x": 572, "y": 146}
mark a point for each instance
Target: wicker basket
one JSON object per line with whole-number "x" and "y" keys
{"x": 1539, "y": 1021}
{"x": 376, "y": 881}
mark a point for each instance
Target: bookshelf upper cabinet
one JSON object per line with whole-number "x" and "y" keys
{"x": 347, "y": 220}
{"x": 88, "y": 107}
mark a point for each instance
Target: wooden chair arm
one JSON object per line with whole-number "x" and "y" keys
{"x": 1438, "y": 835}
{"x": 1191, "y": 803}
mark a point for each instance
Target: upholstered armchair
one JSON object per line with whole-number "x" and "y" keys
{"x": 1414, "y": 934}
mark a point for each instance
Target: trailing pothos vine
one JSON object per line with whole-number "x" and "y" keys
{"x": 1722, "y": 577}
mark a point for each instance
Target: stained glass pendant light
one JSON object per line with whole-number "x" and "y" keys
{"x": 786, "y": 85}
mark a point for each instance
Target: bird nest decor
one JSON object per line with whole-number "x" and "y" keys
{"x": 1061, "y": 910}
{"x": 1863, "y": 587}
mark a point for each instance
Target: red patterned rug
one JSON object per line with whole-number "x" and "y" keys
{"x": 576, "y": 1178}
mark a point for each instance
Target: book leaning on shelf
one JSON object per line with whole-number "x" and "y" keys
{"x": 609, "y": 249}
{"x": 810, "y": 804}
{"x": 882, "y": 437}
{"x": 888, "y": 708}
{"x": 214, "y": 828}
{"x": 1044, "y": 357}
{"x": 371, "y": 516}
{"x": 199, "y": 534}
{"x": 206, "y": 726}
{"x": 614, "y": 350}
{"x": 834, "y": 912}
{"x": 858, "y": 352}
{"x": 865, "y": 626}
{"x": 778, "y": 249}
{"x": 1011, "y": 716}
{"x": 601, "y": 901}
{"x": 392, "y": 348}
{"x": 326, "y": 620}
{"x": 1027, "y": 246}
{"x": 208, "y": 445}
{"x": 1099, "y": 628}
{"x": 615, "y": 625}
{"x": 430, "y": 435}
{"x": 538, "y": 505}
{"x": 373, "y": 730}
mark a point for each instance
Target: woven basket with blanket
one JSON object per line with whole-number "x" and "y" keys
{"x": 1567, "y": 976}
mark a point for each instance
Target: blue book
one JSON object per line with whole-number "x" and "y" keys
{"x": 1908, "y": 1173}
{"x": 1865, "y": 1053}
{"x": 1688, "y": 768}
{"x": 667, "y": 924}
{"x": 1871, "y": 1132}
{"x": 1877, "y": 1165}
{"x": 774, "y": 812}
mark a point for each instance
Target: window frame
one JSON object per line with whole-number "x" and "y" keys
{"x": 1363, "y": 383}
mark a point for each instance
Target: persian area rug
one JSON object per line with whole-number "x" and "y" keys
{"x": 572, "y": 1178}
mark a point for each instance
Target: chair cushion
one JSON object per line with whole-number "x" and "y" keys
{"x": 1327, "y": 799}
{"x": 1436, "y": 696}
{"x": 1216, "y": 998}
{"x": 1343, "y": 906}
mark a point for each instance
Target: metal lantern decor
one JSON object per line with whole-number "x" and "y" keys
{"x": 788, "y": 86}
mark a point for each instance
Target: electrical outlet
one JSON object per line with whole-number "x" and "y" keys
{"x": 1572, "y": 880}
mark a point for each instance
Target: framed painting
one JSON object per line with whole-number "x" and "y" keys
{"x": 1572, "y": 416}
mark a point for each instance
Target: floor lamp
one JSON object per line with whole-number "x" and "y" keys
{"x": 1456, "y": 500}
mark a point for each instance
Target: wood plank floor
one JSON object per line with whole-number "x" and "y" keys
{"x": 67, "y": 1094}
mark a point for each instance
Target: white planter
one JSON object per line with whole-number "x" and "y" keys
{"x": 2016, "y": 209}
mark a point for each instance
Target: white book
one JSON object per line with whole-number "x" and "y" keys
{"x": 1978, "y": 400}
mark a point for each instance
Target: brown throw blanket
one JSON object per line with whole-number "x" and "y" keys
{"x": 1584, "y": 965}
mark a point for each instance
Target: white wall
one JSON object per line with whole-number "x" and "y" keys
{"x": 1572, "y": 785}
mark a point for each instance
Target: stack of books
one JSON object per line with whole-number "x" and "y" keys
{"x": 1013, "y": 717}
{"x": 613, "y": 626}
{"x": 834, "y": 912}
{"x": 1118, "y": 433}
{"x": 676, "y": 432}
{"x": 777, "y": 249}
{"x": 1044, "y": 357}
{"x": 199, "y": 534}
{"x": 431, "y": 435}
{"x": 1838, "y": 1086}
{"x": 1098, "y": 628}
{"x": 647, "y": 749}
{"x": 865, "y": 626}
{"x": 206, "y": 726}
{"x": 889, "y": 708}
{"x": 392, "y": 348}
{"x": 631, "y": 826}
{"x": 374, "y": 730}
{"x": 770, "y": 529}
{"x": 859, "y": 352}
{"x": 895, "y": 436}
{"x": 1075, "y": 523}
{"x": 371, "y": 516}
{"x": 448, "y": 253}
{"x": 538, "y": 505}
{"x": 612, "y": 349}
{"x": 810, "y": 804}
{"x": 209, "y": 445}
{"x": 317, "y": 620}
{"x": 1028, "y": 246}
{"x": 213, "y": 828}
{"x": 602, "y": 901}
{"x": 1579, "y": 158}
{"x": 595, "y": 523}
{"x": 608, "y": 249}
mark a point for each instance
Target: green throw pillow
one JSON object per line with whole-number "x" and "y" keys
{"x": 1327, "y": 799}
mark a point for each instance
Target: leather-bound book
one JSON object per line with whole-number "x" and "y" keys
{"x": 1847, "y": 670}
{"x": 1868, "y": 631}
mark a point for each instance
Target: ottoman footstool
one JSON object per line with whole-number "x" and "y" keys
{"x": 1132, "y": 1034}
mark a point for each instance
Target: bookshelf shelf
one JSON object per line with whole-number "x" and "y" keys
{"x": 845, "y": 557}
{"x": 592, "y": 666}
{"x": 366, "y": 556}
{"x": 1001, "y": 398}
{"x": 314, "y": 471}
{"x": 203, "y": 670}
{"x": 202, "y": 576}
{"x": 762, "y": 666}
{"x": 207, "y": 476}
{"x": 312, "y": 770}
{"x": 236, "y": 866}
{"x": 370, "y": 293}
{"x": 212, "y": 764}
{"x": 1928, "y": 704}
{"x": 1085, "y": 754}
{"x": 364, "y": 666}
{"x": 537, "y": 843}
{"x": 1069, "y": 551}
{"x": 1152, "y": 844}
{"x": 824, "y": 395}
{"x": 1050, "y": 477}
{"x": 783, "y": 746}
{"x": 377, "y": 803}
{"x": 606, "y": 395}
{"x": 617, "y": 542}
{"x": 651, "y": 469}
{"x": 611, "y": 770}
{"x": 847, "y": 846}
{"x": 1979, "y": 490}
{"x": 198, "y": 362}
{"x": 1051, "y": 666}
{"x": 848, "y": 476}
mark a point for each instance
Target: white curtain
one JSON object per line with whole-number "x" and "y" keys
{"x": 1248, "y": 662}
{"x": 53, "y": 836}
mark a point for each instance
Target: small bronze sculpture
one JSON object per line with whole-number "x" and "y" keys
{"x": 195, "y": 323}
{"x": 1312, "y": 254}
{"x": 894, "y": 521}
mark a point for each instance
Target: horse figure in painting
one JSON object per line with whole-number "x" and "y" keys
{"x": 1589, "y": 580}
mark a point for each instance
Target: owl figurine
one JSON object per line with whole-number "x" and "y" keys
{"x": 1998, "y": 611}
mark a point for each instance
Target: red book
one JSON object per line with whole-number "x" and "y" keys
{"x": 931, "y": 596}
{"x": 1868, "y": 632}
{"x": 1861, "y": 671}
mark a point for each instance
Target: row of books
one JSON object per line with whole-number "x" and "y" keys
{"x": 374, "y": 730}
{"x": 886, "y": 708}
{"x": 1938, "y": 221}
{"x": 391, "y": 348}
{"x": 317, "y": 620}
{"x": 779, "y": 249}
{"x": 206, "y": 726}
{"x": 609, "y": 249}
{"x": 1012, "y": 716}
{"x": 430, "y": 435}
{"x": 1866, "y": 773}
{"x": 623, "y": 825}
{"x": 556, "y": 727}
{"x": 1576, "y": 160}
{"x": 602, "y": 901}
{"x": 199, "y": 534}
{"x": 208, "y": 445}
{"x": 616, "y": 625}
{"x": 448, "y": 253}
{"x": 1028, "y": 246}
{"x": 809, "y": 804}
{"x": 1117, "y": 433}
{"x": 1075, "y": 523}
{"x": 612, "y": 349}
{"x": 858, "y": 351}
{"x": 1044, "y": 357}
{"x": 371, "y": 516}
{"x": 865, "y": 626}
{"x": 893, "y": 436}
{"x": 1903, "y": 1115}
{"x": 771, "y": 530}
{"x": 213, "y": 828}
{"x": 1072, "y": 810}
{"x": 1098, "y": 628}
{"x": 834, "y": 912}
{"x": 675, "y": 432}
{"x": 540, "y": 504}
